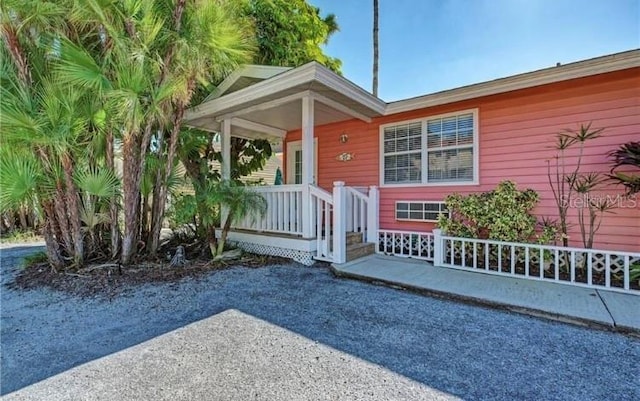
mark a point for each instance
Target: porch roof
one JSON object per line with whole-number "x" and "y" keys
{"x": 271, "y": 106}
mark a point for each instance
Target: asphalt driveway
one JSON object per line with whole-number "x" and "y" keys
{"x": 375, "y": 340}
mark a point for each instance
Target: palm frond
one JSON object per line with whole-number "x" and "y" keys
{"x": 102, "y": 183}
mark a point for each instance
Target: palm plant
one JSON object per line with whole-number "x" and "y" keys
{"x": 627, "y": 154}
{"x": 239, "y": 202}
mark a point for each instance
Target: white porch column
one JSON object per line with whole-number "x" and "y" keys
{"x": 225, "y": 168}
{"x": 373, "y": 215}
{"x": 307, "y": 166}
{"x": 225, "y": 142}
{"x": 339, "y": 223}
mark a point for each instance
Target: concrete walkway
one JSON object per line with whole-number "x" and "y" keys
{"x": 586, "y": 306}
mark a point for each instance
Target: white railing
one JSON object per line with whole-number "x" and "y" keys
{"x": 407, "y": 244}
{"x": 322, "y": 210}
{"x": 356, "y": 210}
{"x": 611, "y": 270}
{"x": 284, "y": 210}
{"x": 311, "y": 212}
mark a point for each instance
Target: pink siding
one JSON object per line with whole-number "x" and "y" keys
{"x": 516, "y": 130}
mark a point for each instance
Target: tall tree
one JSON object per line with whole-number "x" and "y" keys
{"x": 291, "y": 33}
{"x": 375, "y": 48}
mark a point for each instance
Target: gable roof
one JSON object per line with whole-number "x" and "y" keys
{"x": 255, "y": 91}
{"x": 244, "y": 77}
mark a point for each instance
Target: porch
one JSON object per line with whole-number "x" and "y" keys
{"x": 306, "y": 223}
{"x": 303, "y": 221}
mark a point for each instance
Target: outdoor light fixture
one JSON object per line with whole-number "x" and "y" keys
{"x": 344, "y": 138}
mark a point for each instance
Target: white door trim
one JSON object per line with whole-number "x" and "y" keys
{"x": 291, "y": 148}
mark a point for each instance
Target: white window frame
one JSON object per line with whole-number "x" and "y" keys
{"x": 395, "y": 210}
{"x": 424, "y": 152}
{"x": 291, "y": 148}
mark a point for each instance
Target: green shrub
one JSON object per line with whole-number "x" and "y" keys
{"x": 503, "y": 214}
{"x": 34, "y": 259}
{"x": 183, "y": 212}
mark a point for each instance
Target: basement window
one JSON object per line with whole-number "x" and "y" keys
{"x": 420, "y": 210}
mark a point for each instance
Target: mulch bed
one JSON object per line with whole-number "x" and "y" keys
{"x": 111, "y": 279}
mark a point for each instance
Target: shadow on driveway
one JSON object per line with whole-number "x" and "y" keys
{"x": 466, "y": 351}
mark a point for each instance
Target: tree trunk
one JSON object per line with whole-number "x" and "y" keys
{"x": 22, "y": 215}
{"x": 63, "y": 219}
{"x": 113, "y": 203}
{"x": 48, "y": 232}
{"x": 131, "y": 195}
{"x": 73, "y": 206}
{"x": 375, "y": 48}
{"x": 161, "y": 190}
{"x": 223, "y": 235}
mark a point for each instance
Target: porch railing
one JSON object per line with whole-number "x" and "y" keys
{"x": 322, "y": 210}
{"x": 284, "y": 210}
{"x": 311, "y": 212}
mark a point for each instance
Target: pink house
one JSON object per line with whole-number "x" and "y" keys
{"x": 358, "y": 169}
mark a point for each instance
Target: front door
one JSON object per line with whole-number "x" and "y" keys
{"x": 294, "y": 162}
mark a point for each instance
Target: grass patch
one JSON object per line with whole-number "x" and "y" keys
{"x": 20, "y": 236}
{"x": 34, "y": 259}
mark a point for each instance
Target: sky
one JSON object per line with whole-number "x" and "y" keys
{"x": 432, "y": 45}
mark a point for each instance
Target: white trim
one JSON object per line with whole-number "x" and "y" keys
{"x": 304, "y": 75}
{"x": 267, "y": 105}
{"x": 580, "y": 69}
{"x": 298, "y": 244}
{"x": 340, "y": 107}
{"x": 344, "y": 86}
{"x": 250, "y": 71}
{"x": 290, "y": 168}
{"x": 262, "y": 128}
{"x": 424, "y": 150}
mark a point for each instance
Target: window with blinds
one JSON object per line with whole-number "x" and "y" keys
{"x": 445, "y": 144}
{"x": 403, "y": 153}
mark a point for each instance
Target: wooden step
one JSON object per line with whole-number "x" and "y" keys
{"x": 356, "y": 251}
{"x": 354, "y": 238}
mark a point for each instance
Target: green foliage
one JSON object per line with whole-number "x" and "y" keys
{"x": 291, "y": 33}
{"x": 239, "y": 202}
{"x": 20, "y": 178}
{"x": 634, "y": 272}
{"x": 34, "y": 259}
{"x": 566, "y": 178}
{"x": 627, "y": 154}
{"x": 502, "y": 214}
{"x": 183, "y": 212}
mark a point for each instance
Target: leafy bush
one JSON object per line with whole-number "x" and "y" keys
{"x": 183, "y": 212}
{"x": 503, "y": 214}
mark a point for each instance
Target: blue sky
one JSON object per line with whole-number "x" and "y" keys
{"x": 432, "y": 45}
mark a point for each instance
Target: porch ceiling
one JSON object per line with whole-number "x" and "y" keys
{"x": 275, "y": 103}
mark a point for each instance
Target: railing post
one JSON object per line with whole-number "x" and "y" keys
{"x": 373, "y": 220}
{"x": 438, "y": 247}
{"x": 307, "y": 217}
{"x": 339, "y": 223}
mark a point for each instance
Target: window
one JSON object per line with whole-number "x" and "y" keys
{"x": 419, "y": 211}
{"x": 440, "y": 149}
{"x": 402, "y": 153}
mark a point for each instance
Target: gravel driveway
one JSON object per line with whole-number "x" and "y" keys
{"x": 458, "y": 350}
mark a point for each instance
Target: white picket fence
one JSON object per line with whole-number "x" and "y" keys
{"x": 593, "y": 268}
{"x": 406, "y": 244}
